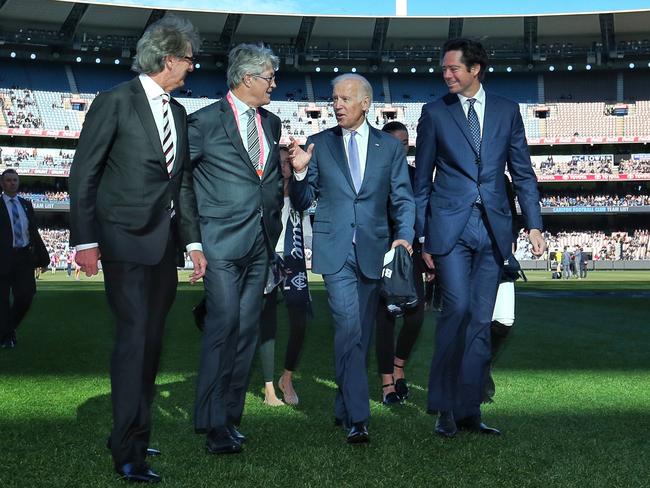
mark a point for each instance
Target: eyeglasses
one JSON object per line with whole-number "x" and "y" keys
{"x": 268, "y": 79}
{"x": 189, "y": 59}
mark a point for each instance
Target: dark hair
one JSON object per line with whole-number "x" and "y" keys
{"x": 473, "y": 53}
{"x": 9, "y": 171}
{"x": 394, "y": 126}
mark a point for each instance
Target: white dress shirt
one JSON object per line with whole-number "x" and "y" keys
{"x": 154, "y": 93}
{"x": 22, "y": 216}
{"x": 479, "y": 105}
{"x": 242, "y": 117}
{"x": 362, "y": 137}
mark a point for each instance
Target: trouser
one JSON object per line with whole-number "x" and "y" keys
{"x": 469, "y": 276}
{"x": 140, "y": 297}
{"x": 353, "y": 303}
{"x": 17, "y": 289}
{"x": 234, "y": 293}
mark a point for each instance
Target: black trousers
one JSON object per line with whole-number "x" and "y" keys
{"x": 413, "y": 319}
{"x": 268, "y": 330}
{"x": 140, "y": 297}
{"x": 234, "y": 293}
{"x": 17, "y": 289}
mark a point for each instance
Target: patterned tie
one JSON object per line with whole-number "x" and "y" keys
{"x": 253, "y": 140}
{"x": 474, "y": 125}
{"x": 18, "y": 228}
{"x": 168, "y": 142}
{"x": 353, "y": 161}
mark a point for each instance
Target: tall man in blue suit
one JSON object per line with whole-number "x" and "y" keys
{"x": 468, "y": 137}
{"x": 359, "y": 176}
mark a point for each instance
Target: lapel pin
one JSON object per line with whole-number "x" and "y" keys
{"x": 376, "y": 144}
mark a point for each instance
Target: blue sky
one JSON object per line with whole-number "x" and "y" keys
{"x": 387, "y": 7}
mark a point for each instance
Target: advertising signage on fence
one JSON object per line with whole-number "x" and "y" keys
{"x": 582, "y": 209}
{"x": 595, "y": 177}
{"x": 51, "y": 205}
{"x": 65, "y": 134}
{"x": 43, "y": 171}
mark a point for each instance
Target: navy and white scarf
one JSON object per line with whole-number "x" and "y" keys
{"x": 296, "y": 288}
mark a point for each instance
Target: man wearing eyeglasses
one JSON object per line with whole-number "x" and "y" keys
{"x": 234, "y": 147}
{"x": 127, "y": 207}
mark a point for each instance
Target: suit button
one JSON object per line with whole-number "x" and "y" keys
{"x": 351, "y": 225}
{"x": 478, "y": 161}
{"x": 356, "y": 200}
{"x": 261, "y": 185}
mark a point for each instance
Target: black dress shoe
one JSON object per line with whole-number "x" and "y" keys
{"x": 199, "y": 311}
{"x": 445, "y": 425}
{"x": 401, "y": 388}
{"x": 474, "y": 424}
{"x": 358, "y": 434}
{"x": 9, "y": 341}
{"x": 151, "y": 451}
{"x": 219, "y": 441}
{"x": 138, "y": 472}
{"x": 235, "y": 434}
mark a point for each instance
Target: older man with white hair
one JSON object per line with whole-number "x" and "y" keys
{"x": 359, "y": 176}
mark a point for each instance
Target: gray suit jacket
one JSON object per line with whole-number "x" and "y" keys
{"x": 231, "y": 197}
{"x": 385, "y": 192}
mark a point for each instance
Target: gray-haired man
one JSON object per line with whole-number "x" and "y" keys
{"x": 127, "y": 206}
{"x": 238, "y": 186}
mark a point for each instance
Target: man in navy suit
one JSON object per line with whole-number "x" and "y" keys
{"x": 359, "y": 176}
{"x": 468, "y": 137}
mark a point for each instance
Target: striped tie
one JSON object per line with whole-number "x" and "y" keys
{"x": 168, "y": 142}
{"x": 18, "y": 228}
{"x": 253, "y": 140}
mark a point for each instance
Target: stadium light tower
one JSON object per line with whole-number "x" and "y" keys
{"x": 401, "y": 8}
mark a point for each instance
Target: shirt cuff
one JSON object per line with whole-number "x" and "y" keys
{"x": 83, "y": 247}
{"x": 194, "y": 246}
{"x": 300, "y": 176}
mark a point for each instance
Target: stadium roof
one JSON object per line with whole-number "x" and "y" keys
{"x": 528, "y": 39}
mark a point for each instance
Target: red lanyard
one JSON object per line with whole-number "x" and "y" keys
{"x": 260, "y": 132}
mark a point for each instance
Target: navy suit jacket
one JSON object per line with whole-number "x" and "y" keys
{"x": 385, "y": 191}
{"x": 444, "y": 144}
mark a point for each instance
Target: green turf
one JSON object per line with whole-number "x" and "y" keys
{"x": 573, "y": 401}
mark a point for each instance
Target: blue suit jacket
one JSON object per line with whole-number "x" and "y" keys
{"x": 444, "y": 144}
{"x": 385, "y": 192}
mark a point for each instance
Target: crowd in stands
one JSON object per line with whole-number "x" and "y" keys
{"x": 616, "y": 246}
{"x": 639, "y": 165}
{"x": 56, "y": 240}
{"x": 48, "y": 196}
{"x": 20, "y": 109}
{"x": 576, "y": 164}
{"x": 20, "y": 157}
{"x": 592, "y": 200}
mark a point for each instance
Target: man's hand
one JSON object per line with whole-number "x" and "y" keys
{"x": 428, "y": 260}
{"x": 299, "y": 158}
{"x": 402, "y": 242}
{"x": 537, "y": 240}
{"x": 200, "y": 263}
{"x": 87, "y": 260}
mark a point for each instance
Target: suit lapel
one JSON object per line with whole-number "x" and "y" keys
{"x": 374, "y": 150}
{"x": 338, "y": 153}
{"x": 232, "y": 130}
{"x": 270, "y": 139}
{"x": 452, "y": 103}
{"x": 181, "y": 135}
{"x": 490, "y": 121}
{"x": 143, "y": 109}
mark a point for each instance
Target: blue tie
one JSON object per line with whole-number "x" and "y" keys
{"x": 18, "y": 228}
{"x": 474, "y": 125}
{"x": 353, "y": 161}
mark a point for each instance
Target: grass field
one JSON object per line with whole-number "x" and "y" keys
{"x": 573, "y": 401}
